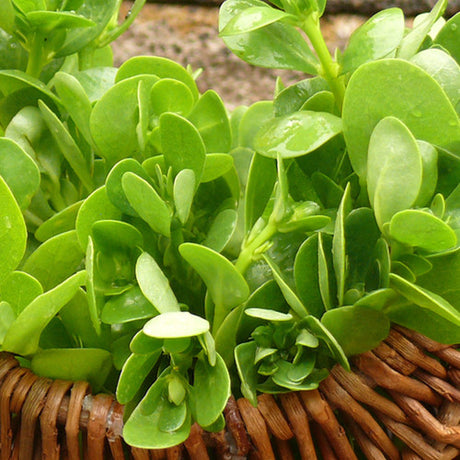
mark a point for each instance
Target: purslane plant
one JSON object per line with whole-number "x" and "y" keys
{"x": 173, "y": 253}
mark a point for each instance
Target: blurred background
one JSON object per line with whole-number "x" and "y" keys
{"x": 187, "y": 31}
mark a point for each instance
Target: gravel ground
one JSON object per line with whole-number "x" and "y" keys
{"x": 188, "y": 34}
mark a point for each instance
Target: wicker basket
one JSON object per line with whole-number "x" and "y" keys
{"x": 402, "y": 400}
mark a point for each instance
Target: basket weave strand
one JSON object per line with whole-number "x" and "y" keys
{"x": 401, "y": 401}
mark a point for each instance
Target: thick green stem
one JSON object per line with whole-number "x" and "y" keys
{"x": 247, "y": 254}
{"x": 329, "y": 68}
{"x": 35, "y": 62}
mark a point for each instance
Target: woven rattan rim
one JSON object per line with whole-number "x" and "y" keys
{"x": 401, "y": 401}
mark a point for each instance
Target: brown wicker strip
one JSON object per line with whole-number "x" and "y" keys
{"x": 7, "y": 362}
{"x": 342, "y": 400}
{"x": 386, "y": 377}
{"x": 367, "y": 446}
{"x": 283, "y": 449}
{"x": 413, "y": 439}
{"x": 72, "y": 426}
{"x": 97, "y": 426}
{"x": 357, "y": 387}
{"x": 414, "y": 354}
{"x": 48, "y": 419}
{"x": 33, "y": 405}
{"x": 141, "y": 454}
{"x": 423, "y": 341}
{"x": 21, "y": 391}
{"x": 445, "y": 389}
{"x": 220, "y": 445}
{"x": 274, "y": 418}
{"x": 6, "y": 390}
{"x": 454, "y": 376}
{"x": 174, "y": 453}
{"x": 236, "y": 428}
{"x": 195, "y": 444}
{"x": 321, "y": 413}
{"x": 114, "y": 431}
{"x": 256, "y": 428}
{"x": 450, "y": 355}
{"x": 300, "y": 425}
{"x": 324, "y": 445}
{"x": 427, "y": 422}
{"x": 394, "y": 359}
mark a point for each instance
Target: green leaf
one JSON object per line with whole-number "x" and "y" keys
{"x": 100, "y": 12}
{"x": 277, "y": 45}
{"x": 116, "y": 137}
{"x": 394, "y": 170}
{"x": 339, "y": 256}
{"x": 67, "y": 146}
{"x": 324, "y": 269}
{"x": 216, "y": 165}
{"x": 182, "y": 145}
{"x": 210, "y": 118}
{"x": 251, "y": 121}
{"x": 12, "y": 160}
{"x": 422, "y": 230}
{"x": 62, "y": 221}
{"x": 291, "y": 297}
{"x": 306, "y": 276}
{"x": 142, "y": 429}
{"x": 114, "y": 185}
{"x": 221, "y": 230}
{"x": 226, "y": 286}
{"x": 114, "y": 235}
{"x": 158, "y": 66}
{"x": 7, "y": 318}
{"x": 129, "y": 306}
{"x": 400, "y": 89}
{"x": 55, "y": 260}
{"x": 169, "y": 95}
{"x": 210, "y": 391}
{"x": 430, "y": 173}
{"x": 134, "y": 372}
{"x": 143, "y": 344}
{"x": 361, "y": 235}
{"x": 7, "y": 16}
{"x": 19, "y": 289}
{"x": 448, "y": 37}
{"x": 357, "y": 329}
{"x": 77, "y": 364}
{"x": 175, "y": 324}
{"x": 184, "y": 190}
{"x": 24, "y": 335}
{"x": 375, "y": 39}
{"x": 321, "y": 331}
{"x": 261, "y": 180}
{"x": 253, "y": 18}
{"x": 154, "y": 284}
{"x": 147, "y": 203}
{"x": 245, "y": 355}
{"x": 414, "y": 39}
{"x": 444, "y": 69}
{"x": 297, "y": 134}
{"x": 76, "y": 102}
{"x": 13, "y": 232}
{"x": 425, "y": 299}
{"x": 50, "y": 21}
{"x": 292, "y": 98}
{"x": 96, "y": 207}
{"x": 268, "y": 315}
{"x": 426, "y": 322}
